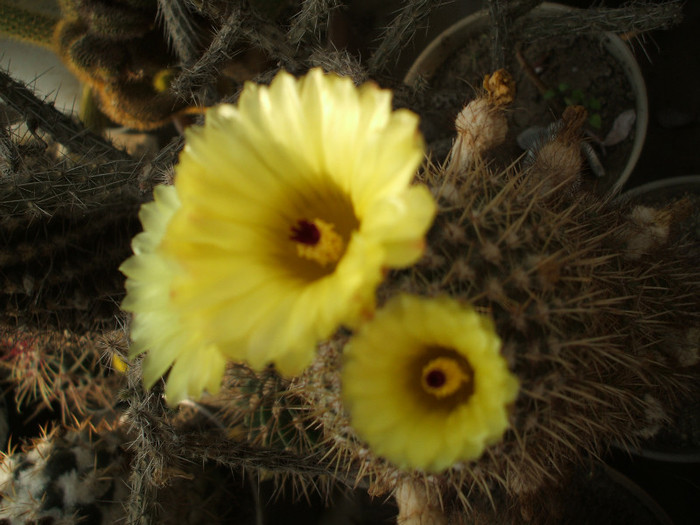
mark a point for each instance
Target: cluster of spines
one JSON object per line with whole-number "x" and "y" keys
{"x": 262, "y": 409}
{"x": 62, "y": 371}
{"x": 42, "y": 180}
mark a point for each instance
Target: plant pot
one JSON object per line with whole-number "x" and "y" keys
{"x": 453, "y": 64}
{"x": 661, "y": 191}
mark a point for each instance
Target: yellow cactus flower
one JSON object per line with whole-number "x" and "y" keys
{"x": 425, "y": 384}
{"x": 293, "y": 202}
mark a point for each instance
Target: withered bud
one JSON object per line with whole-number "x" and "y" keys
{"x": 417, "y": 506}
{"x": 482, "y": 125}
{"x": 646, "y": 230}
{"x": 556, "y": 161}
{"x": 500, "y": 88}
{"x": 573, "y": 118}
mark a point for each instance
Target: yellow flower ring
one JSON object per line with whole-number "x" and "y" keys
{"x": 425, "y": 384}
{"x": 292, "y": 204}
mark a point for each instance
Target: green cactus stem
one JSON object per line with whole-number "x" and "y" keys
{"x": 27, "y": 26}
{"x": 63, "y": 129}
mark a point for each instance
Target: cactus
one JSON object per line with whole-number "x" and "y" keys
{"x": 587, "y": 324}
{"x": 184, "y": 35}
{"x": 267, "y": 410}
{"x": 68, "y": 478}
{"x": 595, "y": 300}
{"x": 116, "y": 50}
{"x": 61, "y": 128}
{"x": 60, "y": 249}
{"x": 63, "y": 371}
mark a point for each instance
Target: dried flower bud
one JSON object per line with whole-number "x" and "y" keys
{"x": 416, "y": 505}
{"x": 646, "y": 230}
{"x": 556, "y": 162}
{"x": 481, "y": 125}
{"x": 500, "y": 88}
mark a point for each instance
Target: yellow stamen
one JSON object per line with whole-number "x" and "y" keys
{"x": 443, "y": 376}
{"x": 318, "y": 241}
{"x": 118, "y": 364}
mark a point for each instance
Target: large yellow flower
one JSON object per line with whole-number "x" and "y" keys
{"x": 425, "y": 384}
{"x": 292, "y": 204}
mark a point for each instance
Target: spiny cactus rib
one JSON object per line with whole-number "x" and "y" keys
{"x": 203, "y": 72}
{"x": 25, "y": 25}
{"x": 183, "y": 35}
{"x": 265, "y": 35}
{"x": 637, "y": 17}
{"x": 62, "y": 272}
{"x": 40, "y": 184}
{"x": 62, "y": 128}
{"x": 340, "y": 62}
{"x": 144, "y": 413}
{"x": 160, "y": 446}
{"x": 311, "y": 20}
{"x": 400, "y": 32}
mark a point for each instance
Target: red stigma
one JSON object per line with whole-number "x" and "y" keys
{"x": 435, "y": 378}
{"x": 305, "y": 232}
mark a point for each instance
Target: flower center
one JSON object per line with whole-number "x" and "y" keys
{"x": 444, "y": 376}
{"x": 317, "y": 241}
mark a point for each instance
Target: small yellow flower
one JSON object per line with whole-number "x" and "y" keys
{"x": 292, "y": 204}
{"x": 425, "y": 384}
